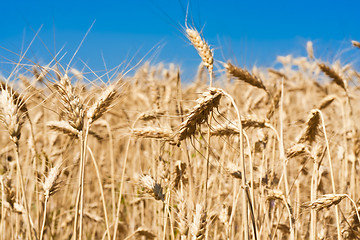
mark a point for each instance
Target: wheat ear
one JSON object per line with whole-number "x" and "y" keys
{"x": 198, "y": 226}
{"x": 102, "y": 104}
{"x": 244, "y": 75}
{"x": 200, "y": 113}
{"x": 152, "y": 132}
{"x": 312, "y": 128}
{"x": 152, "y": 187}
{"x": 50, "y": 187}
{"x": 355, "y": 43}
{"x": 325, "y": 201}
{"x": 326, "y": 101}
{"x": 201, "y": 47}
{"x": 310, "y": 49}
{"x": 331, "y": 73}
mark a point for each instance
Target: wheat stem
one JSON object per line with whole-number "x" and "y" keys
{"x": 208, "y": 153}
{"x": 101, "y": 192}
{"x": 313, "y": 213}
{"x": 112, "y": 166}
{"x": 44, "y": 218}
{"x": 122, "y": 182}
{"x": 79, "y": 205}
{"x": 242, "y": 162}
{"x": 331, "y": 174}
{"x": 22, "y": 186}
{"x": 2, "y": 230}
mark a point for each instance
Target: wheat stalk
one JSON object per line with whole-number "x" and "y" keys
{"x": 51, "y": 183}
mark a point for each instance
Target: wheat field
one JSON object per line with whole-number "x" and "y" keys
{"x": 234, "y": 154}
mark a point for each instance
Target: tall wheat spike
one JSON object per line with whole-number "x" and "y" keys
{"x": 201, "y": 46}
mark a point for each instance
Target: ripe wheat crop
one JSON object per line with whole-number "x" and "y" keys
{"x": 249, "y": 154}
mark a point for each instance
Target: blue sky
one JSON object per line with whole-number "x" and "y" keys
{"x": 252, "y": 32}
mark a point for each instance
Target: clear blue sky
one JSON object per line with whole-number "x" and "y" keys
{"x": 253, "y": 32}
